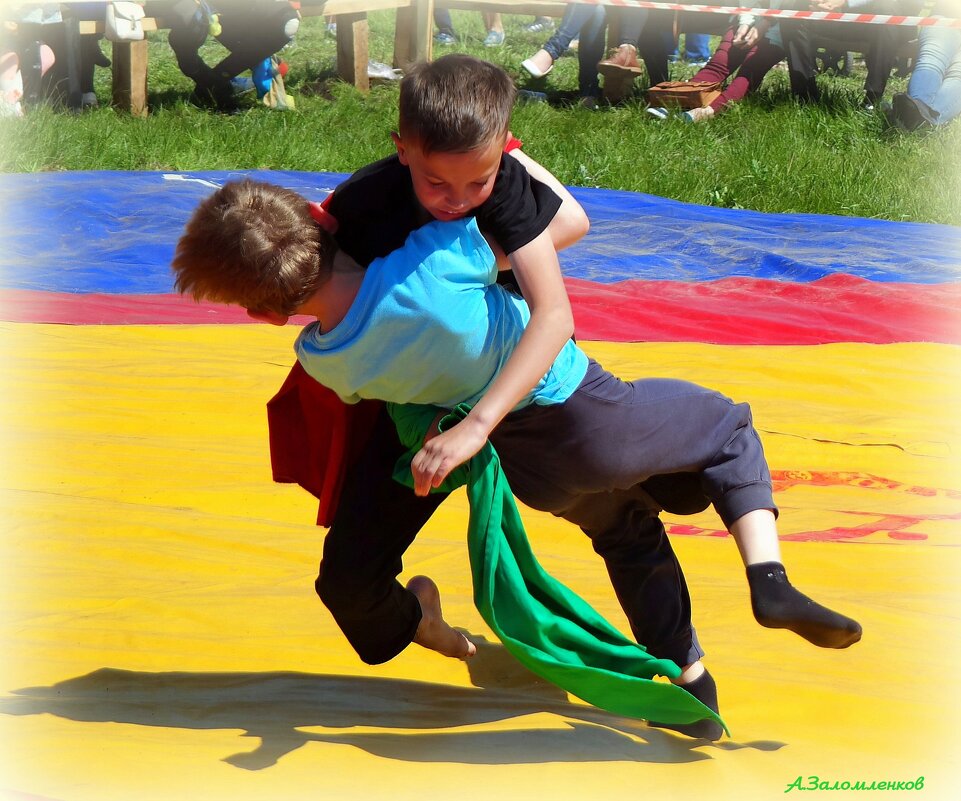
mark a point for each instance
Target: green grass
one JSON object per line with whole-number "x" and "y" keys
{"x": 768, "y": 153}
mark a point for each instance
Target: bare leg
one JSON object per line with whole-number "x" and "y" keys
{"x": 756, "y": 536}
{"x": 433, "y": 631}
{"x": 776, "y": 603}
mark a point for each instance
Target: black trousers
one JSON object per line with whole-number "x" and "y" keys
{"x": 251, "y": 31}
{"x": 880, "y": 43}
{"x": 609, "y": 460}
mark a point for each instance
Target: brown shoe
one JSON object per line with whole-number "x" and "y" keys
{"x": 621, "y": 61}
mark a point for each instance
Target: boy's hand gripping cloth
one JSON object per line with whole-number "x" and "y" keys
{"x": 547, "y": 627}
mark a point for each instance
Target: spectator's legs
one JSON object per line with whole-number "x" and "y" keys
{"x": 655, "y": 44}
{"x": 621, "y": 67}
{"x": 936, "y": 80}
{"x": 576, "y": 16}
{"x": 882, "y": 53}
{"x": 723, "y": 62}
{"x": 590, "y": 52}
{"x": 757, "y": 63}
{"x": 253, "y": 35}
{"x": 947, "y": 102}
{"x": 802, "y": 64}
{"x": 185, "y": 40}
{"x": 495, "y": 29}
{"x": 697, "y": 47}
{"x": 444, "y": 24}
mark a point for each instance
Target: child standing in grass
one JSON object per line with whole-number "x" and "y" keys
{"x": 573, "y": 439}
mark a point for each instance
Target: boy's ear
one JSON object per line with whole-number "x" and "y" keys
{"x": 272, "y": 317}
{"x": 401, "y": 148}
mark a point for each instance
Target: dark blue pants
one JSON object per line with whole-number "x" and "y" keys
{"x": 609, "y": 460}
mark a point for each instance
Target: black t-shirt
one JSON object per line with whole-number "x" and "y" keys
{"x": 376, "y": 209}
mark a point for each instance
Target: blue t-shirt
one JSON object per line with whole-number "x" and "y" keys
{"x": 430, "y": 325}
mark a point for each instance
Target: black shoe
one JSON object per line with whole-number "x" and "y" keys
{"x": 216, "y": 96}
{"x": 908, "y": 112}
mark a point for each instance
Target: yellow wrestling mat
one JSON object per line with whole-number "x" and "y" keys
{"x": 162, "y": 641}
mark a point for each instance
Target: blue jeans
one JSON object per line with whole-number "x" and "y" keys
{"x": 936, "y": 80}
{"x": 576, "y": 16}
{"x": 697, "y": 47}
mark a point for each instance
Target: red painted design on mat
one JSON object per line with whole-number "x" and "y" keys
{"x": 893, "y": 525}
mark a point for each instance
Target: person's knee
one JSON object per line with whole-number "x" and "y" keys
{"x": 339, "y": 590}
{"x": 635, "y": 537}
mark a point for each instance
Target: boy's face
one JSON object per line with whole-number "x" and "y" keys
{"x": 450, "y": 185}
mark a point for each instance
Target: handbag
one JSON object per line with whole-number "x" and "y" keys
{"x": 685, "y": 94}
{"x": 124, "y": 22}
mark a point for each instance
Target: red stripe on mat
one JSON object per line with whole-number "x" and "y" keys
{"x": 731, "y": 311}
{"x": 747, "y": 311}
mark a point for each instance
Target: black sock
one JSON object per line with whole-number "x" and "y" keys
{"x": 778, "y": 605}
{"x": 704, "y": 690}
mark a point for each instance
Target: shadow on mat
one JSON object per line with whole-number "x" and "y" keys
{"x": 276, "y": 706}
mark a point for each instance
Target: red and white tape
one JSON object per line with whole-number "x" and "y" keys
{"x": 782, "y": 13}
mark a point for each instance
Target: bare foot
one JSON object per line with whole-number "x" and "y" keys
{"x": 433, "y": 631}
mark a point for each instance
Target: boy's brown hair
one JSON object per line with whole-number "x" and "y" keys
{"x": 253, "y": 244}
{"x": 455, "y": 104}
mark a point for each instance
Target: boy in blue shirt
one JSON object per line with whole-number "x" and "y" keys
{"x": 429, "y": 324}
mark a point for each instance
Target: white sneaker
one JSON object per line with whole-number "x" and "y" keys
{"x": 698, "y": 114}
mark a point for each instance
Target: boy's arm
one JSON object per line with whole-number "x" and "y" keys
{"x": 570, "y": 223}
{"x": 552, "y": 323}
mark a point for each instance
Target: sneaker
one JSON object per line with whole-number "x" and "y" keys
{"x": 531, "y": 96}
{"x": 540, "y": 24}
{"x": 698, "y": 114}
{"x": 494, "y": 39}
{"x": 658, "y": 112}
{"x": 377, "y": 70}
{"x": 88, "y": 100}
{"x": 242, "y": 84}
{"x": 589, "y": 103}
{"x": 10, "y": 108}
{"x": 444, "y": 38}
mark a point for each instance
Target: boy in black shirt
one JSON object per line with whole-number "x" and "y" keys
{"x": 450, "y": 162}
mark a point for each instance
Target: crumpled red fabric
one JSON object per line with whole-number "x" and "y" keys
{"x": 315, "y": 437}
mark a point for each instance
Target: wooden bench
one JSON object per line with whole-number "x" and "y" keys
{"x": 412, "y": 42}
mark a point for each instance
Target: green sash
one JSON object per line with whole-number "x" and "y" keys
{"x": 548, "y": 628}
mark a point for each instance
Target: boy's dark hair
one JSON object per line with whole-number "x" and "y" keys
{"x": 455, "y": 104}
{"x": 253, "y": 244}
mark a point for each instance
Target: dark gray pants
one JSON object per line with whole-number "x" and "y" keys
{"x": 621, "y": 452}
{"x": 609, "y": 460}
